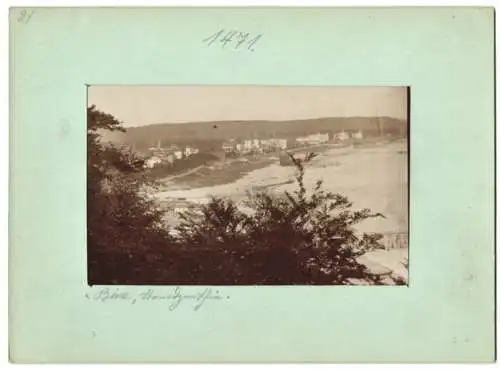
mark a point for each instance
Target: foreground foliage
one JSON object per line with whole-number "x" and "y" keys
{"x": 291, "y": 238}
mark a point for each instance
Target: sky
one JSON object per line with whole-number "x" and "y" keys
{"x": 143, "y": 105}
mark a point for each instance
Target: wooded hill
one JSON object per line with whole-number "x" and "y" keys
{"x": 183, "y": 133}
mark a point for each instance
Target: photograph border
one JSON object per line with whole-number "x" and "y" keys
{"x": 407, "y": 89}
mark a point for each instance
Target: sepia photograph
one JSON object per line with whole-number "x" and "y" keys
{"x": 247, "y": 185}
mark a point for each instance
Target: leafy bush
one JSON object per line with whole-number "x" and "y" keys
{"x": 293, "y": 238}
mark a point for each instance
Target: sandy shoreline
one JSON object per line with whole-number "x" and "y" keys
{"x": 374, "y": 178}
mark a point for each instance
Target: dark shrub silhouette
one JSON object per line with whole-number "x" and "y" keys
{"x": 294, "y": 238}
{"x": 291, "y": 238}
{"x": 124, "y": 227}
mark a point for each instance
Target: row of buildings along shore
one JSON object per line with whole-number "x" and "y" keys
{"x": 166, "y": 155}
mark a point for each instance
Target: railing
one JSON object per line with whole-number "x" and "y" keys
{"x": 395, "y": 240}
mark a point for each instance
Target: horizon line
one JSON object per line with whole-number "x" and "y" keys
{"x": 270, "y": 121}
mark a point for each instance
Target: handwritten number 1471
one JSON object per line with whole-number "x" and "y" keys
{"x": 238, "y": 39}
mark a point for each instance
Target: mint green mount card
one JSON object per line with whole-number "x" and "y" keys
{"x": 445, "y": 314}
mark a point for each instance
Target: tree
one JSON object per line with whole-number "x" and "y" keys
{"x": 125, "y": 230}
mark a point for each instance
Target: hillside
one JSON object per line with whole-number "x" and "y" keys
{"x": 170, "y": 133}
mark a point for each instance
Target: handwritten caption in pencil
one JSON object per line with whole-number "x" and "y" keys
{"x": 233, "y": 39}
{"x": 173, "y": 299}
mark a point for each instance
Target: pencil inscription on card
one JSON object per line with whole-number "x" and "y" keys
{"x": 25, "y": 16}
{"x": 173, "y": 299}
{"x": 233, "y": 39}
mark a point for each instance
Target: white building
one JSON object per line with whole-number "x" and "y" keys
{"x": 152, "y": 162}
{"x": 178, "y": 154}
{"x": 188, "y": 151}
{"x": 228, "y": 147}
{"x": 317, "y": 138}
{"x": 342, "y": 136}
{"x": 247, "y": 145}
{"x": 358, "y": 135}
{"x": 282, "y": 143}
{"x": 275, "y": 143}
{"x": 170, "y": 158}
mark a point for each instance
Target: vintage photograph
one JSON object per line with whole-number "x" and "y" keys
{"x": 247, "y": 185}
